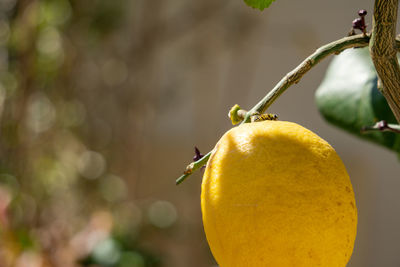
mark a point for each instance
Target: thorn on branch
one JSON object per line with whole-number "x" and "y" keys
{"x": 199, "y": 162}
{"x": 359, "y": 23}
{"x": 197, "y": 155}
{"x": 362, "y": 13}
{"x": 382, "y": 126}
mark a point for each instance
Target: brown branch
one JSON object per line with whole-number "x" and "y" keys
{"x": 383, "y": 51}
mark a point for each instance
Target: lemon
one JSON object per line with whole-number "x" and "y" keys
{"x": 276, "y": 194}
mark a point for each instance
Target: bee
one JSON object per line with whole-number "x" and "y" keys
{"x": 264, "y": 117}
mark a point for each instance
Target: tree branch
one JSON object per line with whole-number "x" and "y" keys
{"x": 292, "y": 77}
{"x": 295, "y": 75}
{"x": 336, "y": 47}
{"x": 383, "y": 50}
{"x": 193, "y": 167}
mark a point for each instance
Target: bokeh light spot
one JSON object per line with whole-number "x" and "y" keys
{"x": 107, "y": 252}
{"x": 41, "y": 113}
{"x": 91, "y": 164}
{"x": 162, "y": 214}
{"x": 113, "y": 188}
{"x": 49, "y": 42}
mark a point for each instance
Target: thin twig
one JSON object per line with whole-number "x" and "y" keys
{"x": 193, "y": 167}
{"x": 295, "y": 75}
{"x": 291, "y": 78}
{"x": 336, "y": 47}
{"x": 382, "y": 126}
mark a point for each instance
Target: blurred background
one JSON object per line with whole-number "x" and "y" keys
{"x": 102, "y": 103}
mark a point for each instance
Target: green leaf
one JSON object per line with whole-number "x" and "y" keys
{"x": 260, "y": 4}
{"x": 348, "y": 97}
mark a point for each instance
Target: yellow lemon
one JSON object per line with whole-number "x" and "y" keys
{"x": 276, "y": 194}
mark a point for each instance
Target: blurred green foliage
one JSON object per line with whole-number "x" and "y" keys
{"x": 59, "y": 203}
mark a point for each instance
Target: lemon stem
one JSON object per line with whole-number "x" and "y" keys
{"x": 293, "y": 77}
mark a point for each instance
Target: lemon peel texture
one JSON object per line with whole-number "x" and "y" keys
{"x": 276, "y": 194}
